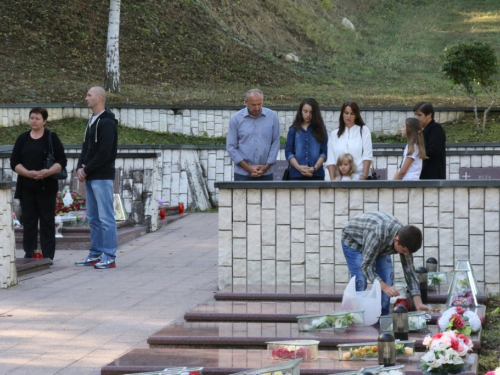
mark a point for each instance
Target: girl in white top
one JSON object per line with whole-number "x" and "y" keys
{"x": 414, "y": 152}
{"x": 346, "y": 169}
{"x": 350, "y": 137}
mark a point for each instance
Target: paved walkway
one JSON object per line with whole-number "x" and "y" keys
{"x": 73, "y": 320}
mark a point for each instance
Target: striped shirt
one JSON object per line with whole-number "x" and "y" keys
{"x": 373, "y": 234}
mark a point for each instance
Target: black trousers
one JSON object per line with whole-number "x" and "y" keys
{"x": 39, "y": 205}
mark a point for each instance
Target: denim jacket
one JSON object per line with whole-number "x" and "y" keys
{"x": 307, "y": 150}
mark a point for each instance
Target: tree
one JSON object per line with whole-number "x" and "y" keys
{"x": 472, "y": 66}
{"x": 112, "y": 80}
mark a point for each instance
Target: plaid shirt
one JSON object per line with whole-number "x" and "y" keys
{"x": 373, "y": 234}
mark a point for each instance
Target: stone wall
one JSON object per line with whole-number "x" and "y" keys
{"x": 215, "y": 121}
{"x": 288, "y": 233}
{"x": 8, "y": 274}
{"x": 138, "y": 183}
{"x": 188, "y": 173}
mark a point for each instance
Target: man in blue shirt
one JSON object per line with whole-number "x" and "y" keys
{"x": 253, "y": 139}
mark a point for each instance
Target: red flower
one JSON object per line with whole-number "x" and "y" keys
{"x": 458, "y": 321}
{"x": 437, "y": 336}
{"x": 454, "y": 344}
{"x": 464, "y": 338}
{"x": 460, "y": 310}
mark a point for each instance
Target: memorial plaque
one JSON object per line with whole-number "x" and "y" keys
{"x": 279, "y": 169}
{"x": 489, "y": 173}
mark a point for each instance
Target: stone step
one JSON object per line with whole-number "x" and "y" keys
{"x": 308, "y": 293}
{"x": 78, "y": 238}
{"x": 228, "y": 361}
{"x": 25, "y": 266}
{"x": 267, "y": 311}
{"x": 244, "y": 335}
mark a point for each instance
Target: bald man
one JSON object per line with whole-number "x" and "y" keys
{"x": 96, "y": 167}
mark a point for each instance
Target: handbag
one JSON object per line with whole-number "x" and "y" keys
{"x": 372, "y": 175}
{"x": 63, "y": 174}
{"x": 286, "y": 174}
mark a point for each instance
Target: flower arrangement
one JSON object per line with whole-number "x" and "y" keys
{"x": 460, "y": 320}
{"x": 446, "y": 352}
{"x": 336, "y": 320}
{"x": 369, "y": 350}
{"x": 292, "y": 352}
{"x": 494, "y": 372}
{"x": 77, "y": 204}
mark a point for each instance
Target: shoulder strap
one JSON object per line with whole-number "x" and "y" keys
{"x": 51, "y": 150}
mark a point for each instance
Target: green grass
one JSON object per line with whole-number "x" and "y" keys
{"x": 203, "y": 52}
{"x": 71, "y": 132}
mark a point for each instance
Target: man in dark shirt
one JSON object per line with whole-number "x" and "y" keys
{"x": 434, "y": 167}
{"x": 96, "y": 166}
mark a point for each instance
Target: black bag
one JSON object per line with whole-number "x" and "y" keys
{"x": 286, "y": 174}
{"x": 63, "y": 175}
{"x": 373, "y": 175}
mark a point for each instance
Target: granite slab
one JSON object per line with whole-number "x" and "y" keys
{"x": 227, "y": 361}
{"x": 282, "y": 311}
{"x": 328, "y": 293}
{"x": 255, "y": 335}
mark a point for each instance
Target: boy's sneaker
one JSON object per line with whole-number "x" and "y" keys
{"x": 104, "y": 264}
{"x": 89, "y": 261}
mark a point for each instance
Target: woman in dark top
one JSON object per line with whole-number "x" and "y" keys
{"x": 35, "y": 187}
{"x": 306, "y": 143}
{"x": 434, "y": 167}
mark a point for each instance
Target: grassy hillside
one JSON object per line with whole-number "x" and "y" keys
{"x": 212, "y": 51}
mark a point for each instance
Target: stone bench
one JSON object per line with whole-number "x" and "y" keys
{"x": 246, "y": 335}
{"x": 227, "y": 361}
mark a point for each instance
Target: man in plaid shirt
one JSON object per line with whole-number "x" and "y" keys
{"x": 369, "y": 240}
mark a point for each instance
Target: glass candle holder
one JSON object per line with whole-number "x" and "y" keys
{"x": 400, "y": 322}
{"x": 386, "y": 349}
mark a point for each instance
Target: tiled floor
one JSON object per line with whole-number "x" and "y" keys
{"x": 74, "y": 320}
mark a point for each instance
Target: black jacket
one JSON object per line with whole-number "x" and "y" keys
{"x": 434, "y": 168}
{"x": 100, "y": 147}
{"x": 32, "y": 154}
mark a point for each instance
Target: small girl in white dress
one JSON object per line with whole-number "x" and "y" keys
{"x": 346, "y": 168}
{"x": 414, "y": 152}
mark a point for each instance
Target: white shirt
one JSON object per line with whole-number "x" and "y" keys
{"x": 347, "y": 178}
{"x": 350, "y": 142}
{"x": 413, "y": 172}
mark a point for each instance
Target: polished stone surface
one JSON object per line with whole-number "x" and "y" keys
{"x": 255, "y": 335}
{"x": 328, "y": 293}
{"x": 227, "y": 361}
{"x": 282, "y": 311}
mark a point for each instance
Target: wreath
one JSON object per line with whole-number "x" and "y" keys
{"x": 77, "y": 204}
{"x": 460, "y": 320}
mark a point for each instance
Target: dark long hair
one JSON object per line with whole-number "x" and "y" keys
{"x": 317, "y": 123}
{"x": 359, "y": 120}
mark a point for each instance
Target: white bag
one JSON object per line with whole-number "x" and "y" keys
{"x": 368, "y": 300}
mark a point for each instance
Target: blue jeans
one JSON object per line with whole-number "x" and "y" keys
{"x": 383, "y": 268}
{"x": 101, "y": 216}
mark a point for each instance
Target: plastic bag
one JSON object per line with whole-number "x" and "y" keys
{"x": 368, "y": 300}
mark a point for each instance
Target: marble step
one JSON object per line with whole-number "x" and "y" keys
{"x": 228, "y": 361}
{"x": 267, "y": 311}
{"x": 246, "y": 335}
{"x": 308, "y": 293}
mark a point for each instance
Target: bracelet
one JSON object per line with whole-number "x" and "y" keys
{"x": 364, "y": 175}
